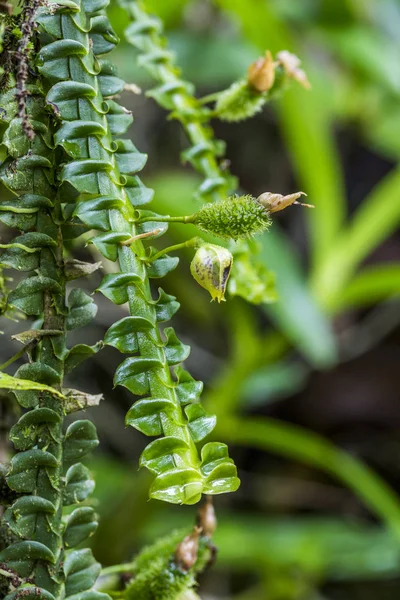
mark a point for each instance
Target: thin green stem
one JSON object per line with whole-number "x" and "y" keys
{"x": 167, "y": 219}
{"x": 192, "y": 243}
{"x": 18, "y": 355}
{"x": 124, "y": 568}
{"x": 209, "y": 98}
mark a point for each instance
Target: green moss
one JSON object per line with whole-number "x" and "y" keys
{"x": 156, "y": 577}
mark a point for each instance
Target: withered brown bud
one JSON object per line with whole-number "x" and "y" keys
{"x": 291, "y": 64}
{"x": 206, "y": 518}
{"x": 276, "y": 202}
{"x": 186, "y": 551}
{"x": 261, "y": 73}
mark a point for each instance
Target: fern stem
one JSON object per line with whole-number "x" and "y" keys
{"x": 175, "y": 94}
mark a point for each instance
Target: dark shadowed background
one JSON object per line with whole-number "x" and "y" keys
{"x": 326, "y": 356}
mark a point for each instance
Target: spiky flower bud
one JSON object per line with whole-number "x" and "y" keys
{"x": 211, "y": 267}
{"x": 261, "y": 73}
{"x": 233, "y": 218}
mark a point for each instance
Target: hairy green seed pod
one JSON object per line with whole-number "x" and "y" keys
{"x": 211, "y": 267}
{"x": 236, "y": 217}
{"x": 240, "y": 101}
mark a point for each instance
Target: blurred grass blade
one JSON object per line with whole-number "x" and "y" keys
{"x": 376, "y": 219}
{"x": 305, "y": 446}
{"x": 295, "y": 312}
{"x": 372, "y": 285}
{"x": 307, "y": 127}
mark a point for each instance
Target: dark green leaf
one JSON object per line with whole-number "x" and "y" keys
{"x": 146, "y": 415}
{"x": 175, "y": 351}
{"x": 78, "y": 354}
{"x": 166, "y": 306}
{"x": 81, "y": 525}
{"x": 162, "y": 266}
{"x": 159, "y": 456}
{"x": 82, "y": 309}
{"x": 122, "y": 334}
{"x": 188, "y": 389}
{"x": 80, "y": 439}
{"x": 178, "y": 486}
{"x": 115, "y": 287}
{"x": 79, "y": 484}
{"x": 133, "y": 374}
{"x": 23, "y": 473}
{"x": 22, "y": 516}
{"x": 200, "y": 424}
{"x": 81, "y": 571}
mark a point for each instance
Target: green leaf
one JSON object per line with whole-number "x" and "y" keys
{"x": 29, "y": 593}
{"x": 146, "y": 415}
{"x": 84, "y": 174}
{"x": 20, "y": 259}
{"x": 162, "y": 266}
{"x": 81, "y": 571}
{"x": 21, "y": 556}
{"x": 82, "y": 309}
{"x": 133, "y": 374}
{"x": 80, "y": 439}
{"x": 94, "y": 213}
{"x": 33, "y": 425}
{"x": 188, "y": 389}
{"x": 109, "y": 243}
{"x": 78, "y": 354}
{"x": 118, "y": 119}
{"x": 115, "y": 287}
{"x": 175, "y": 351}
{"x": 36, "y": 372}
{"x": 166, "y": 306}
{"x": 7, "y": 382}
{"x": 160, "y": 456}
{"x": 25, "y": 466}
{"x": 122, "y": 335}
{"x": 200, "y": 424}
{"x": 218, "y": 469}
{"x": 28, "y": 296}
{"x": 178, "y": 486}
{"x": 129, "y": 159}
{"x": 72, "y": 136}
{"x": 79, "y": 484}
{"x": 22, "y": 516}
{"x": 81, "y": 525}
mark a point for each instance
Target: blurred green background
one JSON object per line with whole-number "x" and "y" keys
{"x": 304, "y": 386}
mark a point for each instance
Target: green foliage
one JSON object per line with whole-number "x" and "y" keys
{"x": 103, "y": 175}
